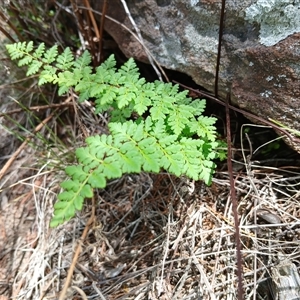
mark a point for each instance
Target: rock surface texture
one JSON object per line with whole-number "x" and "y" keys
{"x": 260, "y": 60}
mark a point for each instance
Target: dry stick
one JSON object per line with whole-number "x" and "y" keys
{"x": 89, "y": 35}
{"x": 141, "y": 40}
{"x": 77, "y": 252}
{"x": 12, "y": 83}
{"x": 136, "y": 37}
{"x": 255, "y": 204}
{"x": 221, "y": 26}
{"x": 95, "y": 26}
{"x": 11, "y": 26}
{"x": 87, "y": 4}
{"x": 78, "y": 18}
{"x": 6, "y": 33}
{"x": 229, "y": 162}
{"x": 87, "y": 226}
{"x": 33, "y": 108}
{"x": 241, "y": 111}
{"x": 18, "y": 151}
{"x": 234, "y": 204}
{"x": 102, "y": 21}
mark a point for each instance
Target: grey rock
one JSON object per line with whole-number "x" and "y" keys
{"x": 260, "y": 61}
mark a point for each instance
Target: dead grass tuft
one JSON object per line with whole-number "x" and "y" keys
{"x": 158, "y": 237}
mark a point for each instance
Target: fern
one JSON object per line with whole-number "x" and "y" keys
{"x": 174, "y": 136}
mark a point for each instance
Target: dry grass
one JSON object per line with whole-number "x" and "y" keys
{"x": 154, "y": 237}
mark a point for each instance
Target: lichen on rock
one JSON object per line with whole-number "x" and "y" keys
{"x": 277, "y": 18}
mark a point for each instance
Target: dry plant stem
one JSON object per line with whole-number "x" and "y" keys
{"x": 141, "y": 38}
{"x": 248, "y": 168}
{"x": 165, "y": 256}
{"x": 98, "y": 291}
{"x": 234, "y": 205}
{"x": 98, "y": 37}
{"x": 7, "y": 34}
{"x": 203, "y": 275}
{"x": 241, "y": 111}
{"x": 33, "y": 108}
{"x": 92, "y": 18}
{"x": 77, "y": 252}
{"x": 13, "y": 83}
{"x": 104, "y": 8}
{"x": 222, "y": 231}
{"x": 81, "y": 126}
{"x": 18, "y": 151}
{"x": 80, "y": 291}
{"x": 48, "y": 286}
{"x": 78, "y": 18}
{"x": 221, "y": 26}
{"x": 17, "y": 14}
{"x": 136, "y": 37}
{"x": 11, "y": 26}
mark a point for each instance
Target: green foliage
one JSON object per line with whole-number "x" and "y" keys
{"x": 174, "y": 136}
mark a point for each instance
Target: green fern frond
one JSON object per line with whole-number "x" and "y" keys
{"x": 48, "y": 74}
{"x": 83, "y": 61}
{"x": 65, "y": 60}
{"x": 40, "y": 50}
{"x": 34, "y": 67}
{"x": 17, "y": 51}
{"x": 50, "y": 55}
{"x": 174, "y": 136}
{"x": 204, "y": 127}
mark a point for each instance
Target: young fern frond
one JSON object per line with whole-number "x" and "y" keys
{"x": 174, "y": 136}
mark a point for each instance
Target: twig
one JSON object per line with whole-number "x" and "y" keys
{"x": 203, "y": 275}
{"x": 248, "y": 165}
{"x": 166, "y": 250}
{"x": 104, "y": 8}
{"x": 92, "y": 19}
{"x": 234, "y": 205}
{"x": 241, "y": 111}
{"x": 77, "y": 252}
{"x": 136, "y": 37}
{"x": 18, "y": 151}
{"x": 140, "y": 38}
{"x": 221, "y": 26}
{"x": 80, "y": 291}
{"x": 11, "y": 26}
{"x": 78, "y": 18}
{"x": 97, "y": 32}
{"x": 98, "y": 291}
{"x": 6, "y": 33}
{"x": 33, "y": 108}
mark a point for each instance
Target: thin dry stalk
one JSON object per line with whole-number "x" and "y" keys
{"x": 23, "y": 145}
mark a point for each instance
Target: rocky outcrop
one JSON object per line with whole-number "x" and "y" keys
{"x": 260, "y": 62}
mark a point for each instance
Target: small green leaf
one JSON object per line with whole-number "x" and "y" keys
{"x": 76, "y": 172}
{"x": 70, "y": 185}
{"x": 39, "y": 51}
{"x": 97, "y": 180}
{"x": 86, "y": 192}
{"x": 29, "y": 47}
{"x": 65, "y": 60}
{"x": 25, "y": 61}
{"x": 50, "y": 55}
{"x": 83, "y": 61}
{"x": 64, "y": 196}
{"x": 34, "y": 67}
